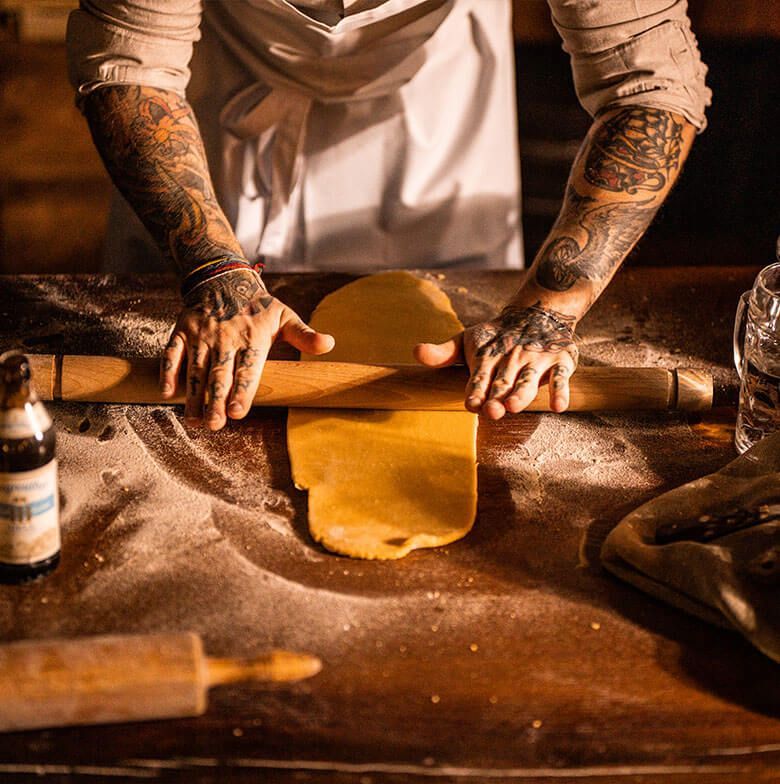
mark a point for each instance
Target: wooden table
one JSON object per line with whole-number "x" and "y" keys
{"x": 509, "y": 656}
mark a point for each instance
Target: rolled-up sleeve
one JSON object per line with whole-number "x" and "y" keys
{"x": 145, "y": 42}
{"x": 626, "y": 52}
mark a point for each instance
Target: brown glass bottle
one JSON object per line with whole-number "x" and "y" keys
{"x": 29, "y": 501}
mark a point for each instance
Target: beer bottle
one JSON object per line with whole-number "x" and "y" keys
{"x": 29, "y": 500}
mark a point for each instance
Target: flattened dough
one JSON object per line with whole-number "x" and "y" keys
{"x": 383, "y": 483}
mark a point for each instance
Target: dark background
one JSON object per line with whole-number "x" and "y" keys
{"x": 725, "y": 210}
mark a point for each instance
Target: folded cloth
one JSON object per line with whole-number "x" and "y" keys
{"x": 712, "y": 547}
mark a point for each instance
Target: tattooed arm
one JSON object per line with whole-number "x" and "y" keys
{"x": 150, "y": 143}
{"x": 621, "y": 176}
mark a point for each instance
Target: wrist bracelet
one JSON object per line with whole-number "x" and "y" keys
{"x": 214, "y": 269}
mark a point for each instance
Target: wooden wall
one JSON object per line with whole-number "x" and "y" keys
{"x": 54, "y": 193}
{"x": 53, "y": 189}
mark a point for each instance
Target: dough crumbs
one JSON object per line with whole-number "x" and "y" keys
{"x": 473, "y": 647}
{"x": 435, "y": 699}
{"x": 237, "y": 732}
{"x": 493, "y": 699}
{"x": 595, "y": 626}
{"x": 536, "y": 723}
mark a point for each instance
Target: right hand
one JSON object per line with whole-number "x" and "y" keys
{"x": 509, "y": 357}
{"x": 225, "y": 330}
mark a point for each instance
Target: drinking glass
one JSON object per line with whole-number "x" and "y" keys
{"x": 757, "y": 358}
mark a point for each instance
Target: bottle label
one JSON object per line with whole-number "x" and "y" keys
{"x": 29, "y": 515}
{"x": 25, "y": 422}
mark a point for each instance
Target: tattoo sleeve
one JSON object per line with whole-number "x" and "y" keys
{"x": 636, "y": 150}
{"x": 620, "y": 178}
{"x": 151, "y": 145}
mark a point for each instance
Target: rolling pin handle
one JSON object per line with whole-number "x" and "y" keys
{"x": 276, "y": 666}
{"x": 694, "y": 390}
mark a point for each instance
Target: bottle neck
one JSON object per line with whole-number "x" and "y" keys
{"x": 15, "y": 387}
{"x": 16, "y": 394}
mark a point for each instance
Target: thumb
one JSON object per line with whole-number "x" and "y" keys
{"x": 307, "y": 340}
{"x": 440, "y": 354}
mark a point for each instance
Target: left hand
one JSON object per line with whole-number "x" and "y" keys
{"x": 509, "y": 356}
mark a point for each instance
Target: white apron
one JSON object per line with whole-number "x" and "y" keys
{"x": 384, "y": 137}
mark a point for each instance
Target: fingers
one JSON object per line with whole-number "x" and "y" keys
{"x": 300, "y": 335}
{"x": 197, "y": 375}
{"x": 559, "y": 386}
{"x": 525, "y": 389}
{"x": 170, "y": 364}
{"x": 438, "y": 355}
{"x": 516, "y": 383}
{"x": 248, "y": 369}
{"x": 530, "y": 376}
{"x": 249, "y": 363}
{"x": 503, "y": 383}
{"x": 479, "y": 384}
{"x": 220, "y": 380}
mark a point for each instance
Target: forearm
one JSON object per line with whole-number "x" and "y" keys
{"x": 624, "y": 170}
{"x": 151, "y": 145}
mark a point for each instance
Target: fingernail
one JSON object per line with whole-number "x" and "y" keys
{"x": 473, "y": 401}
{"x": 235, "y": 408}
{"x": 167, "y": 388}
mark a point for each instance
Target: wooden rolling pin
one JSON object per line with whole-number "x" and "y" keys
{"x": 117, "y": 678}
{"x": 351, "y": 385}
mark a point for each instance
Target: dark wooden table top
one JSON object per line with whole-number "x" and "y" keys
{"x": 508, "y": 656}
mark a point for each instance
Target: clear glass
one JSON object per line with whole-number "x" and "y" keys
{"x": 757, "y": 358}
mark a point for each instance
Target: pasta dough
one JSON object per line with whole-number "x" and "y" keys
{"x": 383, "y": 483}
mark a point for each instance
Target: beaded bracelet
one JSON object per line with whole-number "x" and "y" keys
{"x": 215, "y": 269}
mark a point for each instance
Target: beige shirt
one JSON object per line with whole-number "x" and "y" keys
{"x": 354, "y": 134}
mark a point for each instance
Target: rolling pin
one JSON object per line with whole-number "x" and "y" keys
{"x": 117, "y": 678}
{"x": 95, "y": 379}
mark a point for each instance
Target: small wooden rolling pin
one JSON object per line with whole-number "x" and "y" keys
{"x": 350, "y": 385}
{"x": 117, "y": 678}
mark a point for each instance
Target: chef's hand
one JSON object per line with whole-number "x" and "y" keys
{"x": 509, "y": 356}
{"x": 225, "y": 329}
